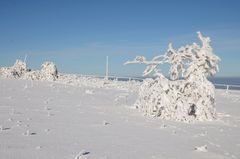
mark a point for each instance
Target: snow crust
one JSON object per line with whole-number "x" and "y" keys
{"x": 188, "y": 95}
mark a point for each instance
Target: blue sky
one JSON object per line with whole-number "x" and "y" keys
{"x": 78, "y": 34}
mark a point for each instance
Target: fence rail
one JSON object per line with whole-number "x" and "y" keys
{"x": 227, "y": 86}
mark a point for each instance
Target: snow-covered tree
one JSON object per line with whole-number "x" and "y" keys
{"x": 16, "y": 71}
{"x": 20, "y": 70}
{"x": 188, "y": 95}
{"x": 49, "y": 71}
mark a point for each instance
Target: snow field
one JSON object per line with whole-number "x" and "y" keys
{"x": 51, "y": 120}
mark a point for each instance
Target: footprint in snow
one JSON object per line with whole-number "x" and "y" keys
{"x": 10, "y": 119}
{"x": 19, "y": 123}
{"x": 201, "y": 148}
{"x": 9, "y": 97}
{"x": 82, "y": 154}
{"x": 50, "y": 114}
{"x": 27, "y": 125}
{"x": 28, "y": 133}
{"x": 89, "y": 91}
{"x": 47, "y": 108}
{"x": 38, "y": 147}
{"x": 163, "y": 126}
{"x": 2, "y": 128}
{"x": 25, "y": 87}
{"x": 48, "y": 100}
{"x": 105, "y": 123}
{"x": 174, "y": 132}
{"x": 47, "y": 130}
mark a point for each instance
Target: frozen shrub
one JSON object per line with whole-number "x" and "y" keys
{"x": 19, "y": 70}
{"x": 49, "y": 71}
{"x": 16, "y": 71}
{"x": 32, "y": 75}
{"x": 188, "y": 95}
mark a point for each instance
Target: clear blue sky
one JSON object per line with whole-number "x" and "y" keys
{"x": 78, "y": 34}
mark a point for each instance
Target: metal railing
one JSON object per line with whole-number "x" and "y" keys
{"x": 227, "y": 87}
{"x": 120, "y": 78}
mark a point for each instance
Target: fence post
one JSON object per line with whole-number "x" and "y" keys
{"x": 106, "y": 68}
{"x": 227, "y": 88}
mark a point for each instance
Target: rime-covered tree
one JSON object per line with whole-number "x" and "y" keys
{"x": 20, "y": 70}
{"x": 188, "y": 95}
{"x": 49, "y": 71}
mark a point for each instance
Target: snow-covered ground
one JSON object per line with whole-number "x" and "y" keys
{"x": 51, "y": 120}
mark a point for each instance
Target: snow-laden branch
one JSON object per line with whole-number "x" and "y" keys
{"x": 151, "y": 65}
{"x": 181, "y": 59}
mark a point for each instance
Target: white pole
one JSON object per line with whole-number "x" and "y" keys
{"x": 106, "y": 67}
{"x": 25, "y": 58}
